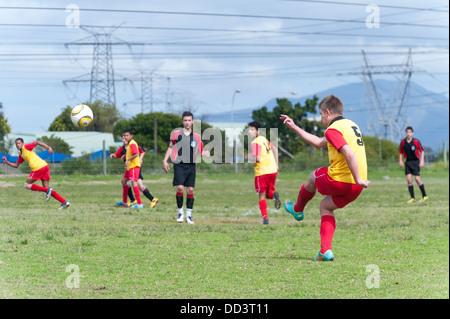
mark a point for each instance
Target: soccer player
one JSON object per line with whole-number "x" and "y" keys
{"x": 183, "y": 148}
{"x": 342, "y": 181}
{"x": 132, "y": 169}
{"x": 121, "y": 153}
{"x": 265, "y": 157}
{"x": 39, "y": 170}
{"x": 414, "y": 153}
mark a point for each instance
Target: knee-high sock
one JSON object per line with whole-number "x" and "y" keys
{"x": 422, "y": 189}
{"x": 137, "y": 194}
{"x": 179, "y": 198}
{"x": 327, "y": 228}
{"x": 130, "y": 194}
{"x": 190, "y": 201}
{"x": 304, "y": 196}
{"x": 124, "y": 194}
{"x": 411, "y": 190}
{"x": 37, "y": 188}
{"x": 147, "y": 193}
{"x": 269, "y": 195}
{"x": 263, "y": 208}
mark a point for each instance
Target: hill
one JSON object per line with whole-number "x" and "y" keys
{"x": 428, "y": 112}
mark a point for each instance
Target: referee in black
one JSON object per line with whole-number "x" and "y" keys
{"x": 184, "y": 146}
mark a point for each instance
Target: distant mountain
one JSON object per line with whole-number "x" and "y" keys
{"x": 428, "y": 112}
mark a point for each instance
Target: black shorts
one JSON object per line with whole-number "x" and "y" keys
{"x": 184, "y": 174}
{"x": 412, "y": 167}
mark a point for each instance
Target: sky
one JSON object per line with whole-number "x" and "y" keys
{"x": 200, "y": 53}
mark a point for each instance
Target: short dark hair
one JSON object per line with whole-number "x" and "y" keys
{"x": 187, "y": 113}
{"x": 409, "y": 128}
{"x": 128, "y": 130}
{"x": 19, "y": 139}
{"x": 255, "y": 124}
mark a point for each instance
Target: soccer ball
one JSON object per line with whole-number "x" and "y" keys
{"x": 82, "y": 115}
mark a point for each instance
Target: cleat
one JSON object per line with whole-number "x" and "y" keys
{"x": 265, "y": 221}
{"x": 276, "y": 197}
{"x": 328, "y": 256}
{"x": 180, "y": 218}
{"x": 289, "y": 206}
{"x": 122, "y": 204}
{"x": 65, "y": 205}
{"x": 138, "y": 206}
{"x": 423, "y": 199}
{"x": 49, "y": 194}
{"x": 132, "y": 204}
{"x": 189, "y": 220}
{"x": 411, "y": 200}
{"x": 153, "y": 202}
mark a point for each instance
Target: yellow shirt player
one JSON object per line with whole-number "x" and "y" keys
{"x": 39, "y": 170}
{"x": 265, "y": 157}
{"x": 132, "y": 169}
{"x": 343, "y": 180}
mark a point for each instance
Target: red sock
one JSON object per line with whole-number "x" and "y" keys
{"x": 58, "y": 197}
{"x": 263, "y": 207}
{"x": 327, "y": 228}
{"x": 269, "y": 195}
{"x": 125, "y": 194}
{"x": 303, "y": 198}
{"x": 137, "y": 194}
{"x": 38, "y": 188}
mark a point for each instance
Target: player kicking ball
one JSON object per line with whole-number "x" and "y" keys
{"x": 343, "y": 181}
{"x": 265, "y": 157}
{"x": 39, "y": 170}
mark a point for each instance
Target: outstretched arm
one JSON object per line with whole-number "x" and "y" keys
{"x": 15, "y": 165}
{"x": 309, "y": 138}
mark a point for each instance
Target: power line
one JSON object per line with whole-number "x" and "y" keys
{"x": 365, "y": 5}
{"x": 312, "y": 33}
{"x": 227, "y": 15}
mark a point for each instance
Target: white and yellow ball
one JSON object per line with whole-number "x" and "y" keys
{"x": 82, "y": 115}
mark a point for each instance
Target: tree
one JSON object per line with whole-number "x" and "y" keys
{"x": 57, "y": 144}
{"x": 287, "y": 138}
{"x": 105, "y": 117}
{"x": 4, "y": 126}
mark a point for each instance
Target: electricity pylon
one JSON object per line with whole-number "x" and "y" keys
{"x": 101, "y": 78}
{"x": 388, "y": 118}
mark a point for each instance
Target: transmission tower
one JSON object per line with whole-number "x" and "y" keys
{"x": 388, "y": 118}
{"x": 101, "y": 78}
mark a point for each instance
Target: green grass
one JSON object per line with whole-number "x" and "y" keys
{"x": 124, "y": 253}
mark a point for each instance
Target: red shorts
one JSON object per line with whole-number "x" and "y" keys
{"x": 341, "y": 193}
{"x": 132, "y": 174}
{"x": 41, "y": 174}
{"x": 265, "y": 183}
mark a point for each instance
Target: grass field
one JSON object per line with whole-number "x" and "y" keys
{"x": 96, "y": 250}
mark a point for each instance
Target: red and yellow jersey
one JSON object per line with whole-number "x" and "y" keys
{"x": 27, "y": 154}
{"x": 342, "y": 132}
{"x": 132, "y": 149}
{"x": 267, "y": 165}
